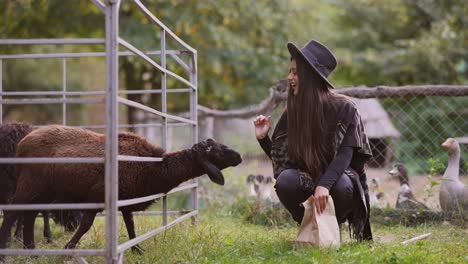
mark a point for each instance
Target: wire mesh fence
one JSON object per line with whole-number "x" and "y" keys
{"x": 423, "y": 123}
{"x": 406, "y": 124}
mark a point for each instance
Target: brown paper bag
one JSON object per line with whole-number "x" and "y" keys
{"x": 318, "y": 230}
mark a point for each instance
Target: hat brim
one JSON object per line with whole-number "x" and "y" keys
{"x": 295, "y": 51}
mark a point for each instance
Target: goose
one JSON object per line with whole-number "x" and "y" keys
{"x": 262, "y": 187}
{"x": 406, "y": 198}
{"x": 376, "y": 193}
{"x": 453, "y": 194}
{"x": 252, "y": 185}
{"x": 266, "y": 189}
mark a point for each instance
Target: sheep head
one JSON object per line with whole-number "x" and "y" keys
{"x": 214, "y": 157}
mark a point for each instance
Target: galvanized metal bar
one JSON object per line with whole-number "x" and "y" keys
{"x": 79, "y": 54}
{"x": 52, "y": 101}
{"x": 1, "y": 91}
{"x": 127, "y": 202}
{"x": 150, "y": 213}
{"x": 164, "y": 110}
{"x": 194, "y": 117}
{"x": 75, "y": 93}
{"x": 133, "y": 125}
{"x": 138, "y": 158}
{"x": 51, "y": 41}
{"x": 99, "y": 5}
{"x": 124, "y": 246}
{"x": 181, "y": 62}
{"x": 43, "y": 160}
{"x": 181, "y": 90}
{"x": 35, "y": 93}
{"x": 31, "y": 207}
{"x": 52, "y": 252}
{"x": 122, "y": 203}
{"x": 81, "y": 260}
{"x": 152, "y": 62}
{"x": 164, "y": 27}
{"x": 64, "y": 89}
{"x": 153, "y": 111}
{"x": 163, "y": 90}
{"x": 112, "y": 114}
{"x": 120, "y": 258}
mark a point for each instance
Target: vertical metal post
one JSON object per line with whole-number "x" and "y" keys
{"x": 111, "y": 165}
{"x": 64, "y": 89}
{"x": 1, "y": 90}
{"x": 194, "y": 117}
{"x": 164, "y": 109}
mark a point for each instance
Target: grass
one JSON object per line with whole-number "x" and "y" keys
{"x": 226, "y": 239}
{"x": 234, "y": 229}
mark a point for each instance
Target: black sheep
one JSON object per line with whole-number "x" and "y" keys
{"x": 10, "y": 135}
{"x": 84, "y": 183}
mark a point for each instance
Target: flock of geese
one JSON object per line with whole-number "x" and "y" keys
{"x": 453, "y": 194}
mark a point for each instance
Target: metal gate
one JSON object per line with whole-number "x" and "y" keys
{"x": 113, "y": 252}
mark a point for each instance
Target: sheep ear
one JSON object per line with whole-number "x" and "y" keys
{"x": 213, "y": 172}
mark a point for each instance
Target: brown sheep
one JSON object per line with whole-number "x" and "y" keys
{"x": 10, "y": 136}
{"x": 84, "y": 183}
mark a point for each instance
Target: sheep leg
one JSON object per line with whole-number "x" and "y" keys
{"x": 9, "y": 219}
{"x": 85, "y": 225}
{"x": 130, "y": 225}
{"x": 47, "y": 233}
{"x": 28, "y": 229}
{"x": 19, "y": 225}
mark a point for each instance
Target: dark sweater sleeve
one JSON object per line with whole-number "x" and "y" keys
{"x": 337, "y": 167}
{"x": 265, "y": 143}
{"x": 358, "y": 164}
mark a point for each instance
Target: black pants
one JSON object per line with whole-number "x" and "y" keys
{"x": 292, "y": 195}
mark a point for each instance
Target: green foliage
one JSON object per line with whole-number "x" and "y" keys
{"x": 435, "y": 168}
{"x": 240, "y": 45}
{"x": 401, "y": 42}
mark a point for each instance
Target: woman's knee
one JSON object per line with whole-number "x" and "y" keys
{"x": 287, "y": 181}
{"x": 343, "y": 189}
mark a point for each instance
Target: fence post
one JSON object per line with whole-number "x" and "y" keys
{"x": 64, "y": 90}
{"x": 194, "y": 117}
{"x": 111, "y": 162}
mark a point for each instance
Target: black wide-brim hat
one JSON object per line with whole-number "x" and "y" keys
{"x": 319, "y": 57}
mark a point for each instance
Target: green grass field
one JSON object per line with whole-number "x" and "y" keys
{"x": 224, "y": 239}
{"x": 234, "y": 229}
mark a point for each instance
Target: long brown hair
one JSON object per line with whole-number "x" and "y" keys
{"x": 306, "y": 111}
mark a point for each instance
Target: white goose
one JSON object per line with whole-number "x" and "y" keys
{"x": 453, "y": 194}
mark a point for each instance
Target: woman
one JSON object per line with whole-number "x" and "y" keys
{"x": 318, "y": 147}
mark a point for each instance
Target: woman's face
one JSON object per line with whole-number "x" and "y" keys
{"x": 293, "y": 80}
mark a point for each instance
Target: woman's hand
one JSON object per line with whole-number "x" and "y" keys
{"x": 321, "y": 198}
{"x": 262, "y": 126}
